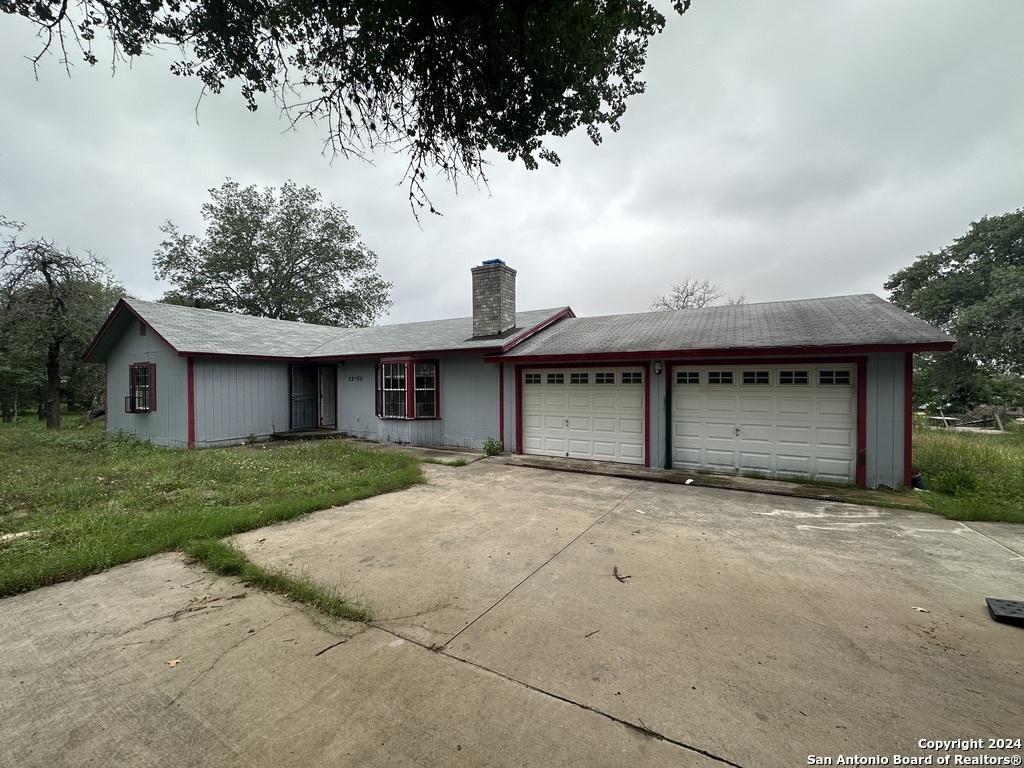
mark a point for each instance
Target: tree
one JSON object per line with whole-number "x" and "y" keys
{"x": 51, "y": 302}
{"x": 285, "y": 256}
{"x": 441, "y": 81}
{"x": 974, "y": 290}
{"x": 691, "y": 293}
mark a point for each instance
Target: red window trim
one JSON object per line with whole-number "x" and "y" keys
{"x": 410, "y": 388}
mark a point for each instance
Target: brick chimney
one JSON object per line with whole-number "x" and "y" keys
{"x": 494, "y": 299}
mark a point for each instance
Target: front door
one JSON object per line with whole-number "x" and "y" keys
{"x": 304, "y": 399}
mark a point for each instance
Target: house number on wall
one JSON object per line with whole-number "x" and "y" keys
{"x": 355, "y": 378}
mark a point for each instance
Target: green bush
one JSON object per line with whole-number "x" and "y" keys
{"x": 493, "y": 447}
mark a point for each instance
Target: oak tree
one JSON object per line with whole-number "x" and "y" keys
{"x": 52, "y": 301}
{"x": 266, "y": 253}
{"x": 974, "y": 290}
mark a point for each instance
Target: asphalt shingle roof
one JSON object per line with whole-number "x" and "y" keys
{"x": 855, "y": 321}
{"x": 206, "y": 332}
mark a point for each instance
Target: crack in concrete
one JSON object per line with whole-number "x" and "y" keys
{"x": 1011, "y": 550}
{"x": 540, "y": 567}
{"x": 638, "y": 726}
{"x": 221, "y": 655}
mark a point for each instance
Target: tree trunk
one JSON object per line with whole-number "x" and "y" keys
{"x": 5, "y": 406}
{"x": 53, "y": 385}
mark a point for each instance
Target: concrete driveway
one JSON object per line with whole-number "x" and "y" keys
{"x": 743, "y": 629}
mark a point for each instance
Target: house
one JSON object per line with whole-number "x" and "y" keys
{"x": 816, "y": 388}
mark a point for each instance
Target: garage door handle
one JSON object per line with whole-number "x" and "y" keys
{"x": 737, "y": 431}
{"x": 567, "y": 423}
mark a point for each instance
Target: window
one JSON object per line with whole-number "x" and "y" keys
{"x": 604, "y": 377}
{"x": 687, "y": 377}
{"x": 757, "y": 377}
{"x": 426, "y": 390}
{"x": 532, "y": 378}
{"x": 141, "y": 388}
{"x": 719, "y": 377}
{"x": 632, "y": 377}
{"x": 579, "y": 378}
{"x": 407, "y": 389}
{"x": 556, "y": 378}
{"x": 794, "y": 377}
{"x": 393, "y": 391}
{"x": 839, "y": 378}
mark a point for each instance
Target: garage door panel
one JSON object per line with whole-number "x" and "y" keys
{"x": 832, "y": 468}
{"x": 631, "y": 427}
{"x": 631, "y": 402}
{"x": 806, "y": 430}
{"x": 554, "y": 400}
{"x": 718, "y": 404}
{"x": 605, "y": 402}
{"x": 793, "y": 464}
{"x": 721, "y": 460}
{"x": 578, "y": 423}
{"x": 579, "y": 401}
{"x": 761, "y": 433}
{"x": 716, "y": 430}
{"x": 553, "y": 422}
{"x": 756, "y": 407}
{"x": 606, "y": 425}
{"x": 843, "y": 438}
{"x": 786, "y": 435}
{"x": 794, "y": 406}
{"x": 835, "y": 407}
{"x": 754, "y": 461}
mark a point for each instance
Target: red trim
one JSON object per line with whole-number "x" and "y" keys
{"x": 567, "y": 312}
{"x": 908, "y": 419}
{"x": 584, "y": 358}
{"x": 519, "y": 409}
{"x": 862, "y": 422}
{"x": 191, "y": 405}
{"x": 501, "y": 403}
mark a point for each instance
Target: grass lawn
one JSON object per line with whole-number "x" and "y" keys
{"x": 972, "y": 476}
{"x": 92, "y": 501}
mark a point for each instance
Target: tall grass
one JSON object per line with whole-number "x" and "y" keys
{"x": 90, "y": 500}
{"x": 972, "y": 476}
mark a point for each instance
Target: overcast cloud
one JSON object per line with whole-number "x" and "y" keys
{"x": 783, "y": 150}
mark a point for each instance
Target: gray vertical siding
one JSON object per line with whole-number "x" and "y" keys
{"x": 238, "y": 398}
{"x": 659, "y": 411}
{"x": 468, "y": 412}
{"x": 885, "y": 409}
{"x": 356, "y": 400}
{"x": 168, "y": 424}
{"x": 469, "y": 401}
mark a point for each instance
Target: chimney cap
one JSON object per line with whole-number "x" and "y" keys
{"x": 489, "y": 262}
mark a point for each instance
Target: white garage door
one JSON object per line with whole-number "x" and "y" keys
{"x": 584, "y": 413}
{"x": 797, "y": 421}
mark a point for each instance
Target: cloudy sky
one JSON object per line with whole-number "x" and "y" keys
{"x": 783, "y": 150}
